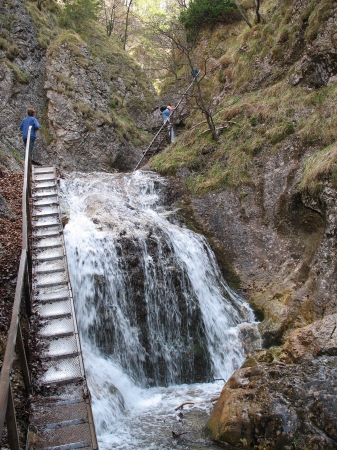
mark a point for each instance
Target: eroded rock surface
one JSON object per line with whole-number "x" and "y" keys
{"x": 22, "y": 74}
{"x": 84, "y": 133}
{"x": 275, "y": 406}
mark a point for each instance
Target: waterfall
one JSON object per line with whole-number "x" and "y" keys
{"x": 154, "y": 313}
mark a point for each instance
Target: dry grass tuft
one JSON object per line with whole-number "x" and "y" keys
{"x": 321, "y": 164}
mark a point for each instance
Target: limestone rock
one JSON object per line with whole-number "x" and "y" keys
{"x": 275, "y": 406}
{"x": 21, "y": 81}
{"x": 316, "y": 339}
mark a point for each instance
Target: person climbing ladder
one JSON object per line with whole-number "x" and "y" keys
{"x": 165, "y": 114}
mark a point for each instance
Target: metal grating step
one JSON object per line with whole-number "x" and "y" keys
{"x": 49, "y": 254}
{"x": 52, "y": 294}
{"x": 65, "y": 345}
{"x": 64, "y": 410}
{"x": 51, "y": 192}
{"x": 58, "y": 328}
{"x": 44, "y": 177}
{"x": 61, "y": 371}
{"x": 65, "y": 423}
{"x": 57, "y": 265}
{"x": 44, "y": 211}
{"x": 44, "y": 185}
{"x": 43, "y": 169}
{"x": 54, "y": 309}
{"x": 47, "y": 242}
{"x": 46, "y": 221}
{"x": 50, "y": 279}
{"x": 84, "y": 445}
{"x": 50, "y": 231}
{"x": 45, "y": 201}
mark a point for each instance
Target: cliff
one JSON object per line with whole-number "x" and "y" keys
{"x": 92, "y": 99}
{"x": 266, "y": 192}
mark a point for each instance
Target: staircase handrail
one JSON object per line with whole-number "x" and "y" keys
{"x": 150, "y": 145}
{"x": 7, "y": 411}
{"x": 164, "y": 125}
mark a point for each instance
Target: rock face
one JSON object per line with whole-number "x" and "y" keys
{"x": 22, "y": 73}
{"x": 309, "y": 47}
{"x": 95, "y": 111}
{"x": 84, "y": 133}
{"x": 278, "y": 405}
{"x": 283, "y": 246}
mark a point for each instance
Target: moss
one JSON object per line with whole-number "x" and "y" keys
{"x": 258, "y": 311}
{"x": 64, "y": 80}
{"x": 83, "y": 108}
{"x": 21, "y": 77}
{"x": 69, "y": 40}
{"x": 103, "y": 117}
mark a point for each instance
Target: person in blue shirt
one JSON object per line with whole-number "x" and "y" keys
{"x": 166, "y": 113}
{"x": 25, "y": 124}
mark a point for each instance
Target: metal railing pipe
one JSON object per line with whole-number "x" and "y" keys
{"x": 6, "y": 401}
{"x": 25, "y": 193}
{"x": 11, "y": 341}
{"x": 164, "y": 125}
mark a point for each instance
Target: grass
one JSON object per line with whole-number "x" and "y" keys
{"x": 115, "y": 65}
{"x": 45, "y": 21}
{"x": 259, "y": 121}
{"x": 321, "y": 164}
{"x": 21, "y": 76}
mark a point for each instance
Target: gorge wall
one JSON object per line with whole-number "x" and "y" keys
{"x": 266, "y": 193}
{"x": 273, "y": 89}
{"x": 91, "y": 98}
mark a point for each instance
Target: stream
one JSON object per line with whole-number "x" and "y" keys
{"x": 159, "y": 325}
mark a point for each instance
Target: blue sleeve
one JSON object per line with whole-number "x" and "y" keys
{"x": 36, "y": 124}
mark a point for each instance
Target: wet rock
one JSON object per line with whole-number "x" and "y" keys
{"x": 276, "y": 406}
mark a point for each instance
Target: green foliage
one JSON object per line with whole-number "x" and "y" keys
{"x": 201, "y": 13}
{"x": 77, "y": 14}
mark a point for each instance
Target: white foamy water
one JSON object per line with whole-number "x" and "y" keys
{"x": 154, "y": 313}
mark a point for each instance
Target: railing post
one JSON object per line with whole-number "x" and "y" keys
{"x": 27, "y": 290}
{"x": 13, "y": 437}
{"x": 23, "y": 359}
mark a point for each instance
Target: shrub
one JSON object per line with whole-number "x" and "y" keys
{"x": 76, "y": 14}
{"x": 201, "y": 13}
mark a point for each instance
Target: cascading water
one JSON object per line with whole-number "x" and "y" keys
{"x": 158, "y": 323}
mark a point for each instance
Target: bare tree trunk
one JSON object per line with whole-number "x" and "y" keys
{"x": 207, "y": 114}
{"x": 127, "y": 23}
{"x": 257, "y": 10}
{"x": 243, "y": 14}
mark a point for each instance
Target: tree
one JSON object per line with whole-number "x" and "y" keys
{"x": 173, "y": 31}
{"x": 110, "y": 15}
{"x": 128, "y": 5}
{"x": 201, "y": 13}
{"x": 76, "y": 13}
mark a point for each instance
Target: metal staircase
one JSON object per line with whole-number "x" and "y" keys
{"x": 61, "y": 416}
{"x": 164, "y": 131}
